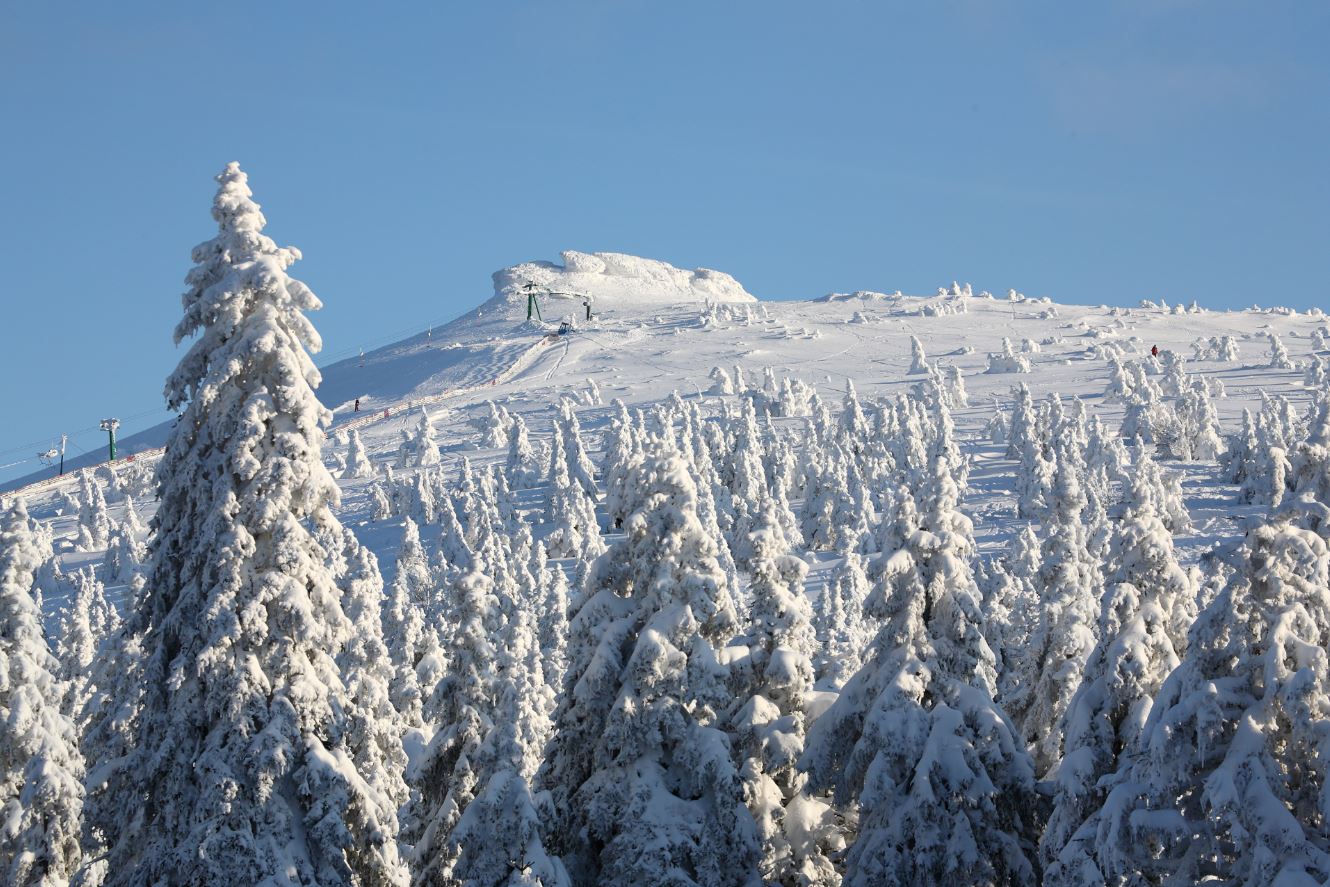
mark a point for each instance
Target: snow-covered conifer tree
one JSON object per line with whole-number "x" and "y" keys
{"x": 580, "y": 467}
{"x": 571, "y": 510}
{"x": 494, "y": 426}
{"x": 643, "y": 785}
{"x": 918, "y": 359}
{"x": 84, "y": 624}
{"x": 497, "y": 839}
{"x": 41, "y": 770}
{"x": 374, "y": 724}
{"x": 1279, "y": 359}
{"x": 843, "y": 631}
{"x": 1065, "y": 636}
{"x": 944, "y": 790}
{"x": 1229, "y": 773}
{"x": 358, "y": 463}
{"x": 1007, "y": 360}
{"x": 94, "y": 523}
{"x": 125, "y": 555}
{"x": 770, "y": 725}
{"x": 461, "y": 704}
{"x": 523, "y": 468}
{"x": 1137, "y": 649}
{"x": 242, "y": 768}
{"x": 424, "y": 445}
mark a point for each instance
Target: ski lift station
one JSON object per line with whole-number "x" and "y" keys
{"x": 535, "y": 294}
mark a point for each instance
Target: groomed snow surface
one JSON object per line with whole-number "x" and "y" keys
{"x": 871, "y": 589}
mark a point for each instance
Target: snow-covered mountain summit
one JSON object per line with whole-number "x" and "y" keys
{"x": 616, "y": 280}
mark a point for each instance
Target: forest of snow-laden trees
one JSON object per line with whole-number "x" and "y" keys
{"x": 600, "y": 658}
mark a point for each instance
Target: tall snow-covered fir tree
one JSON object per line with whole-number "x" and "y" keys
{"x": 243, "y": 767}
{"x": 1227, "y": 782}
{"x": 1137, "y": 649}
{"x": 644, "y": 788}
{"x": 944, "y": 788}
{"x": 41, "y": 769}
{"x": 797, "y": 831}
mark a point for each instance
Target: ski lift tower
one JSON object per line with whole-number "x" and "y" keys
{"x": 109, "y": 426}
{"x": 533, "y": 303}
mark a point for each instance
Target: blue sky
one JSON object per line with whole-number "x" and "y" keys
{"x": 1091, "y": 152}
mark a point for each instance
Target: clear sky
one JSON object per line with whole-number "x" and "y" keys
{"x": 1093, "y": 152}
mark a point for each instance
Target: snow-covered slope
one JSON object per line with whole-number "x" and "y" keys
{"x": 491, "y": 337}
{"x": 660, "y": 330}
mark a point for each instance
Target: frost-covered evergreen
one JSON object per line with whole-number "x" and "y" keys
{"x": 843, "y": 630}
{"x": 1062, "y": 642}
{"x": 375, "y": 725}
{"x": 1138, "y": 648}
{"x": 796, "y": 830}
{"x": 242, "y": 766}
{"x": 918, "y": 359}
{"x": 942, "y": 784}
{"x": 1279, "y": 359}
{"x": 571, "y": 511}
{"x": 497, "y": 840}
{"x": 41, "y": 770}
{"x": 94, "y": 523}
{"x": 84, "y": 625}
{"x": 644, "y": 788}
{"x": 523, "y": 467}
{"x": 1227, "y": 782}
{"x": 358, "y": 463}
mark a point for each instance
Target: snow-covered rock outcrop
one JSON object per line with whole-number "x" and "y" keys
{"x": 612, "y": 279}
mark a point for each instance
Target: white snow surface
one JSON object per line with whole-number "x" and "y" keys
{"x": 654, "y": 341}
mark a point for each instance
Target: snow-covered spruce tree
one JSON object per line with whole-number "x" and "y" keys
{"x": 843, "y": 631}
{"x": 242, "y": 766}
{"x": 494, "y": 426}
{"x": 41, "y": 770}
{"x": 1138, "y": 646}
{"x": 424, "y": 445}
{"x": 580, "y": 467}
{"x": 571, "y": 511}
{"x": 944, "y": 789}
{"x": 1190, "y": 430}
{"x": 1309, "y": 472}
{"x": 497, "y": 840}
{"x": 854, "y": 424}
{"x": 461, "y": 705}
{"x": 358, "y": 463}
{"x": 1164, "y": 488}
{"x": 1022, "y": 434}
{"x": 374, "y": 724}
{"x": 748, "y": 484}
{"x": 644, "y": 788}
{"x": 918, "y": 359}
{"x": 797, "y": 832}
{"x": 523, "y": 469}
{"x": 1007, "y": 360}
{"x": 94, "y": 522}
{"x": 1279, "y": 359}
{"x": 1227, "y": 782}
{"x": 84, "y": 624}
{"x": 1011, "y": 618}
{"x": 110, "y": 722}
{"x": 125, "y": 555}
{"x": 1068, "y": 585}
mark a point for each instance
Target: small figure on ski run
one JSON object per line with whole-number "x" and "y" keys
{"x": 1154, "y": 350}
{"x": 357, "y": 409}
